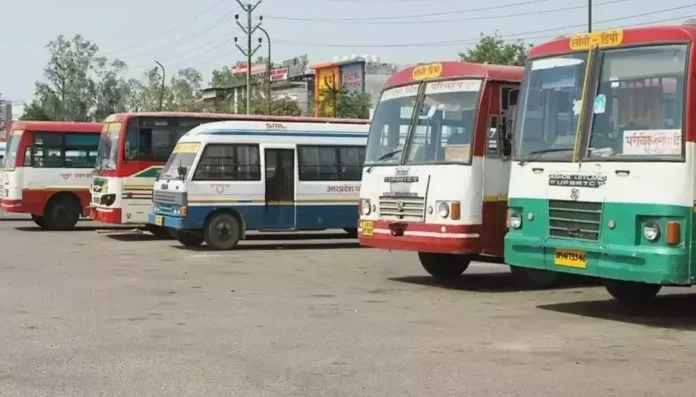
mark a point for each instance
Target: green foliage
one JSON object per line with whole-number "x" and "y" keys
{"x": 342, "y": 103}
{"x": 80, "y": 85}
{"x": 494, "y": 50}
{"x": 279, "y": 106}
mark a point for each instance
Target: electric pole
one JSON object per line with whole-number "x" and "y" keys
{"x": 589, "y": 16}
{"x": 249, "y": 31}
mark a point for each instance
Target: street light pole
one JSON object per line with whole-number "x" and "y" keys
{"x": 589, "y": 16}
{"x": 162, "y": 86}
{"x": 268, "y": 66}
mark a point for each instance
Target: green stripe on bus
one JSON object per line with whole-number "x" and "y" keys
{"x": 152, "y": 172}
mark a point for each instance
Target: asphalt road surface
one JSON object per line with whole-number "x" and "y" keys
{"x": 86, "y": 313}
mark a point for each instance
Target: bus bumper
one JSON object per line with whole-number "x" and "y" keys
{"x": 654, "y": 265}
{"x": 11, "y": 205}
{"x": 420, "y": 237}
{"x": 167, "y": 221}
{"x": 106, "y": 215}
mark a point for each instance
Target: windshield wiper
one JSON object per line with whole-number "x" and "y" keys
{"x": 538, "y": 153}
{"x": 384, "y": 157}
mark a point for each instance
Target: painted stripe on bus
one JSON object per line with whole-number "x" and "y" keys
{"x": 318, "y": 134}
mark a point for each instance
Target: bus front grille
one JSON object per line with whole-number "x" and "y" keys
{"x": 575, "y": 219}
{"x": 165, "y": 197}
{"x": 402, "y": 208}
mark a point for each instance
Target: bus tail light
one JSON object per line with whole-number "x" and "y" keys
{"x": 455, "y": 211}
{"x": 672, "y": 233}
{"x": 184, "y": 211}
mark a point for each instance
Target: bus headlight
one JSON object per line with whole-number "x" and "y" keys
{"x": 365, "y": 208}
{"x": 443, "y": 210}
{"x": 515, "y": 220}
{"x": 651, "y": 231}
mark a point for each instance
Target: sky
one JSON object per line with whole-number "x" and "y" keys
{"x": 182, "y": 33}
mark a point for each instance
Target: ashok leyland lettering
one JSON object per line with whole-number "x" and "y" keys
{"x": 47, "y": 171}
{"x": 603, "y": 182}
{"x": 229, "y": 177}
{"x": 436, "y": 171}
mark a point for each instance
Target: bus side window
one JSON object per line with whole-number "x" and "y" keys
{"x": 493, "y": 141}
{"x": 27, "y": 157}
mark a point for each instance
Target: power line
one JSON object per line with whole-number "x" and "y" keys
{"x": 175, "y": 28}
{"x": 432, "y": 14}
{"x": 476, "y": 40}
{"x": 512, "y": 15}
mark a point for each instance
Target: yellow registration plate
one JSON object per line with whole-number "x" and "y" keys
{"x": 367, "y": 228}
{"x": 571, "y": 258}
{"x": 159, "y": 220}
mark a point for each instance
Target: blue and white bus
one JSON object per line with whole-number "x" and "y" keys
{"x": 228, "y": 177}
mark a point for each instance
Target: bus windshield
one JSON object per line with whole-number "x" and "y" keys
{"x": 108, "y": 146}
{"x": 549, "y": 107}
{"x": 389, "y": 126}
{"x": 11, "y": 149}
{"x": 638, "y": 104}
{"x": 182, "y": 158}
{"x": 445, "y": 126}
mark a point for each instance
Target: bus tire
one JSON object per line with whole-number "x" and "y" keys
{"x": 445, "y": 267}
{"x": 631, "y": 292}
{"x": 221, "y": 231}
{"x": 352, "y": 232}
{"x": 39, "y": 220}
{"x": 189, "y": 239}
{"x": 534, "y": 278}
{"x": 62, "y": 212}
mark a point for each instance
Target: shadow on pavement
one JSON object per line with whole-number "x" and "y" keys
{"x": 675, "y": 311}
{"x": 279, "y": 247}
{"x": 491, "y": 282}
{"x": 78, "y": 228}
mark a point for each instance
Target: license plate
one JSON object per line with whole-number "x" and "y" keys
{"x": 159, "y": 220}
{"x": 571, "y": 258}
{"x": 367, "y": 228}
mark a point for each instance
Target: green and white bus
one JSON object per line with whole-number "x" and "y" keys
{"x": 604, "y": 178}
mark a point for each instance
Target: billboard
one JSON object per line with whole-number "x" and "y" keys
{"x": 327, "y": 79}
{"x": 353, "y": 77}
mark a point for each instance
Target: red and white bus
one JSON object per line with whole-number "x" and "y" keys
{"x": 133, "y": 149}
{"x": 47, "y": 171}
{"x": 438, "y": 164}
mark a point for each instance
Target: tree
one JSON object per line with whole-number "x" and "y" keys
{"x": 494, "y": 50}
{"x": 342, "y": 103}
{"x": 111, "y": 89}
{"x": 35, "y": 111}
{"x": 184, "y": 91}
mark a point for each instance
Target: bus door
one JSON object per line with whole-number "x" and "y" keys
{"x": 279, "y": 208}
{"x": 496, "y": 168}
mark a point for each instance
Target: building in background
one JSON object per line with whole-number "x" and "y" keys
{"x": 356, "y": 74}
{"x": 292, "y": 80}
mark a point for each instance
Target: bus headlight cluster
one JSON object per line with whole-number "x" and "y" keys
{"x": 515, "y": 220}
{"x": 651, "y": 231}
{"x": 365, "y": 208}
{"x": 443, "y": 210}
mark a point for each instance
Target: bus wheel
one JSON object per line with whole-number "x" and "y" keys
{"x": 534, "y": 278}
{"x": 39, "y": 220}
{"x": 445, "y": 267}
{"x": 352, "y": 232}
{"x": 62, "y": 213}
{"x": 221, "y": 232}
{"x": 188, "y": 239}
{"x": 631, "y": 292}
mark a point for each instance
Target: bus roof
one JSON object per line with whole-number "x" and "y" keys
{"x": 277, "y": 129}
{"x": 250, "y": 117}
{"x": 627, "y": 37}
{"x": 448, "y": 70}
{"x": 56, "y": 126}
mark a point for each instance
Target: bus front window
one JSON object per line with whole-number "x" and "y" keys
{"x": 11, "y": 149}
{"x": 549, "y": 108}
{"x": 445, "y": 125}
{"x": 638, "y": 105}
{"x": 108, "y": 147}
{"x": 389, "y": 126}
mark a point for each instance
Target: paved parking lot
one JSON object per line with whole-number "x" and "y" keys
{"x": 86, "y": 314}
